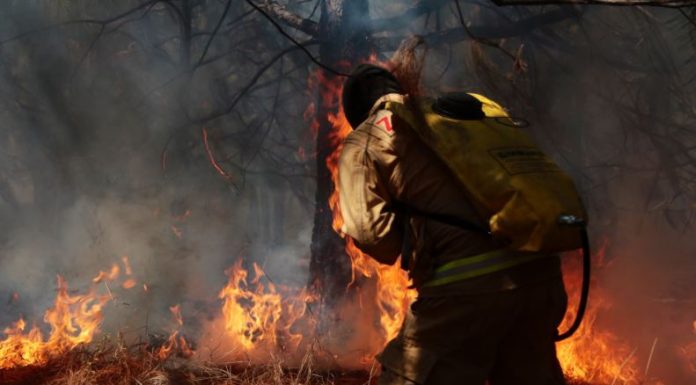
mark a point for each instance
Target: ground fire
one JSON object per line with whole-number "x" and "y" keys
{"x": 261, "y": 321}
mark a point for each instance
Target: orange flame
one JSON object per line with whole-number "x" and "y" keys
{"x": 111, "y": 275}
{"x": 175, "y": 343}
{"x": 593, "y": 355}
{"x": 259, "y": 318}
{"x": 393, "y": 297}
{"x": 128, "y": 283}
{"x": 688, "y": 353}
{"x": 74, "y": 320}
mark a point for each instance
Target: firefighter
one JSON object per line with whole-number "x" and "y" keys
{"x": 498, "y": 326}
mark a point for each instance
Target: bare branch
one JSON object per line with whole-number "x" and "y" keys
{"x": 293, "y": 20}
{"x": 294, "y": 41}
{"x": 251, "y": 83}
{"x": 215, "y": 31}
{"x": 483, "y": 41}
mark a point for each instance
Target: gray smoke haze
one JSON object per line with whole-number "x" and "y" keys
{"x": 99, "y": 161}
{"x": 101, "y": 151}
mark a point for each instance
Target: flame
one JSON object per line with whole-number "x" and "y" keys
{"x": 111, "y": 275}
{"x": 688, "y": 352}
{"x": 593, "y": 354}
{"x": 73, "y": 320}
{"x": 259, "y": 317}
{"x": 393, "y": 296}
{"x": 176, "y": 343}
{"x": 129, "y": 283}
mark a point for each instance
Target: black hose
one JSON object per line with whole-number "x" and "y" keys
{"x": 585, "y": 290}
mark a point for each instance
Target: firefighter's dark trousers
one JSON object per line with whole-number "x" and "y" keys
{"x": 505, "y": 338}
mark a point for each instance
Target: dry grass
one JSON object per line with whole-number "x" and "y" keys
{"x": 106, "y": 363}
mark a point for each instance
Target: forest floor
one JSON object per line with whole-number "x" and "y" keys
{"x": 135, "y": 365}
{"x": 120, "y": 366}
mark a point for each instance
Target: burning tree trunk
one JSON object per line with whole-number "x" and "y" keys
{"x": 344, "y": 32}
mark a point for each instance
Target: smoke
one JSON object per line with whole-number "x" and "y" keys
{"x": 101, "y": 153}
{"x": 100, "y": 161}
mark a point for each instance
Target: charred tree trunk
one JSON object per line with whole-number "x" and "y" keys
{"x": 344, "y": 32}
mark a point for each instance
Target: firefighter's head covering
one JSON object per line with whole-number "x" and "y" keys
{"x": 366, "y": 84}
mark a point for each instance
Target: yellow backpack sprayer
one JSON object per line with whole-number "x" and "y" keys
{"x": 527, "y": 199}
